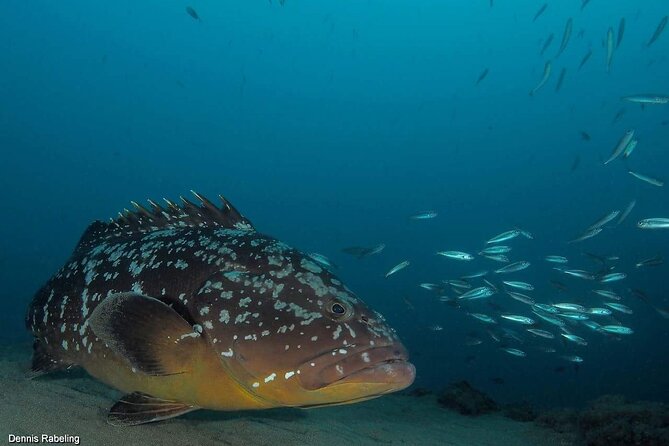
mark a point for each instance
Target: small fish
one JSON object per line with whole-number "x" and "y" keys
{"x": 191, "y": 12}
{"x": 621, "y": 32}
{"x": 514, "y": 352}
{"x": 570, "y": 307}
{"x": 617, "y": 329}
{"x": 646, "y": 178}
{"x": 541, "y": 333}
{"x": 436, "y": 328}
{"x": 627, "y": 211}
{"x": 545, "y": 308}
{"x": 473, "y": 341}
{"x": 550, "y": 319}
{"x": 647, "y": 99}
{"x": 619, "y": 307}
{"x": 398, "y": 267}
{"x": 585, "y": 136}
{"x": 322, "y": 260}
{"x": 630, "y": 148}
{"x": 521, "y": 297}
{"x": 556, "y": 259}
{"x": 620, "y": 147}
{"x": 618, "y": 115}
{"x": 604, "y": 220}
{"x": 658, "y": 31}
{"x": 584, "y": 3}
{"x": 498, "y": 249}
{"x": 483, "y": 318}
{"x": 590, "y": 233}
{"x": 426, "y": 215}
{"x": 526, "y": 234}
{"x": 585, "y": 58}
{"x": 607, "y": 294}
{"x": 653, "y": 261}
{"x": 490, "y": 284}
{"x": 547, "y": 43}
{"x": 612, "y": 277}
{"x": 482, "y": 76}
{"x": 517, "y": 318}
{"x": 575, "y": 339}
{"x": 539, "y": 12}
{"x": 573, "y": 358}
{"x": 497, "y": 257}
{"x": 458, "y": 283}
{"x": 475, "y": 275}
{"x": 558, "y": 285}
{"x": 609, "y": 49}
{"x": 654, "y": 223}
{"x": 579, "y": 273}
{"x": 544, "y": 79}
{"x": 558, "y": 86}
{"x": 430, "y": 286}
{"x": 592, "y": 325}
{"x": 504, "y": 236}
{"x": 512, "y": 268}
{"x": 456, "y": 255}
{"x": 565, "y": 37}
{"x": 362, "y": 252}
{"x": 520, "y": 285}
{"x": 599, "y": 311}
{"x": 574, "y": 316}
{"x": 477, "y": 293}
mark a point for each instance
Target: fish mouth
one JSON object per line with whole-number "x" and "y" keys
{"x": 385, "y": 368}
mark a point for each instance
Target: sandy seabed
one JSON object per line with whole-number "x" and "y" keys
{"x": 72, "y": 404}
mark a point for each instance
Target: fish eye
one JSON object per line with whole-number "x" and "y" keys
{"x": 338, "y": 310}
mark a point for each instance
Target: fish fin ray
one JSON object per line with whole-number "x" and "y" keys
{"x": 43, "y": 362}
{"x": 139, "y": 408}
{"x": 172, "y": 215}
{"x": 148, "y": 333}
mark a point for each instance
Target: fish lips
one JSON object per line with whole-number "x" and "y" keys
{"x": 385, "y": 365}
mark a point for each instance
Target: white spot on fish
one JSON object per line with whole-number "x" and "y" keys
{"x": 228, "y": 354}
{"x": 270, "y": 378}
{"x": 64, "y": 344}
{"x": 288, "y": 375}
{"x": 224, "y": 316}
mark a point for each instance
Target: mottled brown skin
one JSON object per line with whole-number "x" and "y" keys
{"x": 255, "y": 323}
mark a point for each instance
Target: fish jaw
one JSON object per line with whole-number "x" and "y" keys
{"x": 361, "y": 374}
{"x": 331, "y": 378}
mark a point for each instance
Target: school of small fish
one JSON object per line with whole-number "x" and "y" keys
{"x": 559, "y": 318}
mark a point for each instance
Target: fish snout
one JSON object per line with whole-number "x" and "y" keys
{"x": 385, "y": 365}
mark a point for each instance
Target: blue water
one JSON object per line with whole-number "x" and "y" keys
{"x": 328, "y": 124}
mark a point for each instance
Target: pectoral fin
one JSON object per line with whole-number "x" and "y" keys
{"x": 139, "y": 408}
{"x": 149, "y": 334}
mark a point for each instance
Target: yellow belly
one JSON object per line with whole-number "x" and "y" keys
{"x": 205, "y": 383}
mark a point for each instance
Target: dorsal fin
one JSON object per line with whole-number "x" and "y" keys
{"x": 171, "y": 215}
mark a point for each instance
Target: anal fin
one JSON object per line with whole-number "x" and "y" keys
{"x": 139, "y": 408}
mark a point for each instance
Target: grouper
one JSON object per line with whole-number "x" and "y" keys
{"x": 186, "y": 306}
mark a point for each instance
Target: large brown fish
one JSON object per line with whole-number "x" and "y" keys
{"x": 187, "y": 306}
